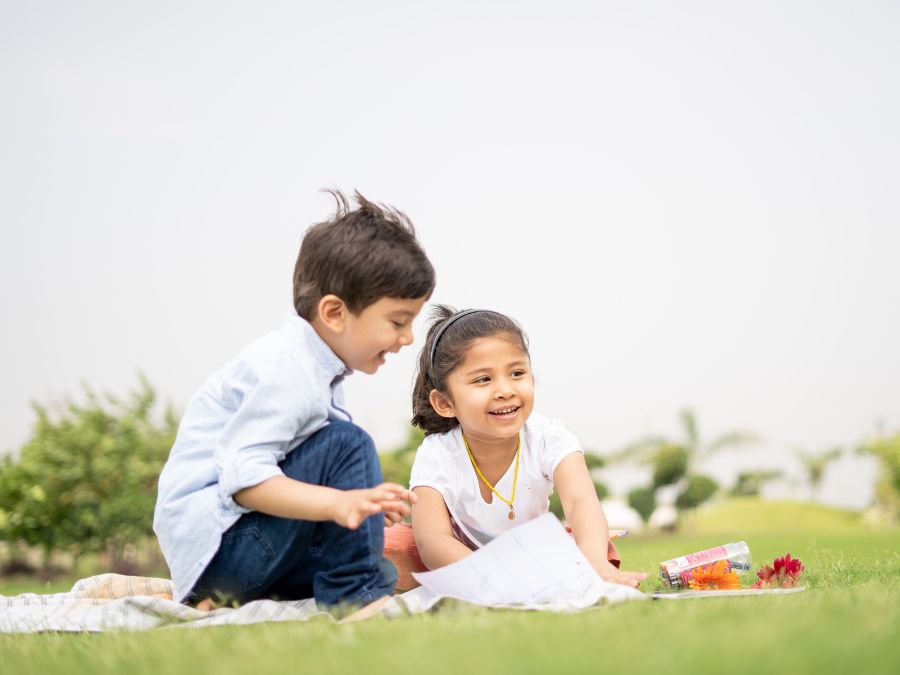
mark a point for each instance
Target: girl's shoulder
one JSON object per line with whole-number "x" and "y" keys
{"x": 450, "y": 440}
{"x": 444, "y": 449}
{"x": 436, "y": 463}
{"x": 550, "y": 442}
{"x": 540, "y": 427}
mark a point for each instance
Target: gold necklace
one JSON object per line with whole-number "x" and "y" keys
{"x": 512, "y": 498}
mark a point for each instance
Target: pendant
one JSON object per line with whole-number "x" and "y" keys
{"x": 512, "y": 514}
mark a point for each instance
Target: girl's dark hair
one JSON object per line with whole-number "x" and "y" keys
{"x": 453, "y": 340}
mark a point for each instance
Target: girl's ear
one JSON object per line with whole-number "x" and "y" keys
{"x": 333, "y": 312}
{"x": 441, "y": 403}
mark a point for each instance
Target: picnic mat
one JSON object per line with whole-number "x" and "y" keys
{"x": 115, "y": 602}
{"x": 535, "y": 566}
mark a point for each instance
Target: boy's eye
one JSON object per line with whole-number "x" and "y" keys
{"x": 399, "y": 324}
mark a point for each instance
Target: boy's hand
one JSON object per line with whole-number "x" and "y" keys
{"x": 392, "y": 518}
{"x": 608, "y": 572}
{"x": 351, "y": 507}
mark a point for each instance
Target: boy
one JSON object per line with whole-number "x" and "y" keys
{"x": 269, "y": 487}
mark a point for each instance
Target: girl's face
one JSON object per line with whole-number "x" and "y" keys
{"x": 491, "y": 393}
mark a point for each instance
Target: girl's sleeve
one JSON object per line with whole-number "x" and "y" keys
{"x": 431, "y": 469}
{"x": 558, "y": 443}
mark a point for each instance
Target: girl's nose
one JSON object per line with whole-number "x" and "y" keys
{"x": 504, "y": 388}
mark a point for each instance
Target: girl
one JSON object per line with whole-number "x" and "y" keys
{"x": 488, "y": 463}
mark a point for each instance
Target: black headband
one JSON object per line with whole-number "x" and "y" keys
{"x": 440, "y": 332}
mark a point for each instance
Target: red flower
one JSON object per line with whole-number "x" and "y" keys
{"x": 785, "y": 573}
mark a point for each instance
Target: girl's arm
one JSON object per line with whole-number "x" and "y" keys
{"x": 585, "y": 515}
{"x": 431, "y": 527}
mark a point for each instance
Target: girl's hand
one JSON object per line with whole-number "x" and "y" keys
{"x": 608, "y": 572}
{"x": 351, "y": 507}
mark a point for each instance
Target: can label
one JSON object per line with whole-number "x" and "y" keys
{"x": 687, "y": 575}
{"x": 678, "y": 572}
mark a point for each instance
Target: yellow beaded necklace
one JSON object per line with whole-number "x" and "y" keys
{"x": 512, "y": 498}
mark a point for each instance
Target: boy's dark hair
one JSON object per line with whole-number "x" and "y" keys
{"x": 453, "y": 339}
{"x": 360, "y": 255}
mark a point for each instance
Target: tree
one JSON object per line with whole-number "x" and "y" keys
{"x": 670, "y": 464}
{"x": 86, "y": 479}
{"x": 593, "y": 460}
{"x": 643, "y": 500}
{"x": 675, "y": 461}
{"x": 556, "y": 505}
{"x": 815, "y": 466}
{"x": 887, "y": 487}
{"x": 697, "y": 491}
{"x": 749, "y": 483}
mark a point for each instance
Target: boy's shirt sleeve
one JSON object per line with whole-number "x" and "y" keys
{"x": 274, "y": 408}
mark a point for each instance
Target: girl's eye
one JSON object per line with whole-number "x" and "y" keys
{"x": 518, "y": 373}
{"x": 482, "y": 380}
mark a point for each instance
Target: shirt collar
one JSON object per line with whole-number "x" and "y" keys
{"x": 297, "y": 326}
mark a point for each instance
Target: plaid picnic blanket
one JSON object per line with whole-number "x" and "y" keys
{"x": 117, "y": 602}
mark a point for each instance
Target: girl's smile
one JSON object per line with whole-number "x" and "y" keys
{"x": 508, "y": 412}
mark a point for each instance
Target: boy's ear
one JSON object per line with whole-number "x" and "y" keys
{"x": 333, "y": 312}
{"x": 441, "y": 403}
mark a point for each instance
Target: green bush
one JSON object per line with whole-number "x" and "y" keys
{"x": 556, "y": 504}
{"x": 593, "y": 461}
{"x": 396, "y": 464}
{"x": 643, "y": 500}
{"x": 670, "y": 463}
{"x": 86, "y": 479}
{"x": 887, "y": 487}
{"x": 749, "y": 483}
{"x": 697, "y": 491}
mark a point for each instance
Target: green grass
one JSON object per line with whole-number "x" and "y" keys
{"x": 19, "y": 584}
{"x": 745, "y": 516}
{"x": 849, "y": 621}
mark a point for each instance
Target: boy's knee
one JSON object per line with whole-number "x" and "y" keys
{"x": 349, "y": 429}
{"x": 349, "y": 436}
{"x": 339, "y": 455}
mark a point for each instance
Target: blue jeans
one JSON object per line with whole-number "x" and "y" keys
{"x": 263, "y": 556}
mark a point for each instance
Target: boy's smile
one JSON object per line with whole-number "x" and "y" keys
{"x": 362, "y": 341}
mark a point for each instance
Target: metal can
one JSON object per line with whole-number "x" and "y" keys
{"x": 677, "y": 572}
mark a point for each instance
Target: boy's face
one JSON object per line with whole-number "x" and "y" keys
{"x": 382, "y": 327}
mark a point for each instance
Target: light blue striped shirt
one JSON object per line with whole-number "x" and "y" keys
{"x": 236, "y": 430}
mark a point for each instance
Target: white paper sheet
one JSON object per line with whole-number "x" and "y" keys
{"x": 535, "y": 565}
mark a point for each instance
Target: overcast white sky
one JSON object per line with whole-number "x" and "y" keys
{"x": 685, "y": 204}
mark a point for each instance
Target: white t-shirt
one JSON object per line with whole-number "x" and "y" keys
{"x": 442, "y": 463}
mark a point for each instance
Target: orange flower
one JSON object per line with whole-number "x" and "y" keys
{"x": 714, "y": 577}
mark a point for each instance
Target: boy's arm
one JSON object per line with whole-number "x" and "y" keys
{"x": 431, "y": 527}
{"x": 585, "y": 515}
{"x": 288, "y": 498}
